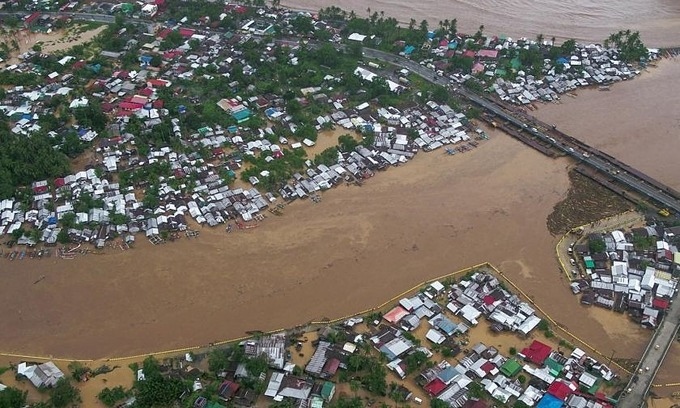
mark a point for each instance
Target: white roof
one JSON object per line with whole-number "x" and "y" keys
{"x": 356, "y": 37}
{"x": 435, "y": 336}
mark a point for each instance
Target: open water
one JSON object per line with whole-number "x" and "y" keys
{"x": 585, "y": 20}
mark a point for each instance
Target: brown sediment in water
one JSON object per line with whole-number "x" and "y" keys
{"x": 355, "y": 249}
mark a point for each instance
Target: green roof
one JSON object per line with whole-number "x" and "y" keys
{"x": 554, "y": 367}
{"x": 327, "y": 390}
{"x": 511, "y": 368}
{"x": 242, "y": 115}
{"x": 592, "y": 390}
{"x": 590, "y": 264}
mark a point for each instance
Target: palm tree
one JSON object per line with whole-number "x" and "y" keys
{"x": 412, "y": 24}
{"x": 539, "y": 39}
{"x": 354, "y": 386}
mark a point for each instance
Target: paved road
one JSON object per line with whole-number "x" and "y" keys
{"x": 651, "y": 361}
{"x": 651, "y": 189}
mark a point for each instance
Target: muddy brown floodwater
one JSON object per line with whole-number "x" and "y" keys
{"x": 355, "y": 249}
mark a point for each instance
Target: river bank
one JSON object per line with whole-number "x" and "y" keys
{"x": 584, "y": 20}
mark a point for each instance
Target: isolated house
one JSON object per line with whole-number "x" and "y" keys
{"x": 43, "y": 375}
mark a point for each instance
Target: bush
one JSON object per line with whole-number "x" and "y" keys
{"x": 64, "y": 394}
{"x": 513, "y": 351}
{"x": 110, "y": 396}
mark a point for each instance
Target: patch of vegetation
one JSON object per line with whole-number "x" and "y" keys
{"x": 13, "y": 398}
{"x": 111, "y": 396}
{"x": 630, "y": 45}
{"x": 64, "y": 394}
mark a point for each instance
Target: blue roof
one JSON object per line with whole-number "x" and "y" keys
{"x": 232, "y": 129}
{"x": 448, "y": 374}
{"x": 430, "y": 34}
{"x": 548, "y": 401}
{"x": 409, "y": 49}
{"x": 387, "y": 352}
{"x": 562, "y": 60}
{"x": 453, "y": 45}
{"x": 446, "y": 325}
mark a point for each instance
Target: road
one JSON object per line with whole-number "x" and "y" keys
{"x": 651, "y": 360}
{"x": 615, "y": 170}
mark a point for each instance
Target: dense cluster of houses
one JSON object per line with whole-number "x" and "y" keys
{"x": 625, "y": 279}
{"x": 196, "y": 186}
{"x": 538, "y": 375}
{"x": 589, "y": 65}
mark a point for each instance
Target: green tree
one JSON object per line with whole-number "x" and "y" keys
{"x": 12, "y": 397}
{"x": 630, "y": 45}
{"x": 64, "y": 394}
{"x": 437, "y": 403}
{"x": 476, "y": 390}
{"x": 156, "y": 390}
{"x": 111, "y": 396}
{"x": 415, "y": 361}
{"x": 596, "y": 246}
{"x": 62, "y": 236}
{"x": 568, "y": 47}
{"x": 302, "y": 24}
{"x": 347, "y": 143}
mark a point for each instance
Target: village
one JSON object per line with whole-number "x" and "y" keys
{"x": 162, "y": 169}
{"x": 424, "y": 347}
{"x": 223, "y": 121}
{"x": 630, "y": 271}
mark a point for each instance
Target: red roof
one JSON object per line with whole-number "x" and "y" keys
{"x": 164, "y": 33}
{"x": 186, "y": 32}
{"x": 40, "y": 189}
{"x": 469, "y": 54}
{"x": 331, "y": 366}
{"x": 158, "y": 104}
{"x": 487, "y": 53}
{"x": 139, "y": 99}
{"x": 435, "y": 387}
{"x": 228, "y": 389}
{"x": 130, "y": 105}
{"x": 157, "y": 83}
{"x": 488, "y": 367}
{"x": 60, "y": 182}
{"x": 146, "y": 92}
{"x": 488, "y": 300}
{"x": 560, "y": 390}
{"x": 172, "y": 54}
{"x": 30, "y": 19}
{"x": 660, "y": 303}
{"x": 537, "y": 352}
{"x": 396, "y": 314}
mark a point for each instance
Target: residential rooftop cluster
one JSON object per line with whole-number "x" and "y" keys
{"x": 436, "y": 361}
{"x": 105, "y": 198}
{"x": 632, "y": 271}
